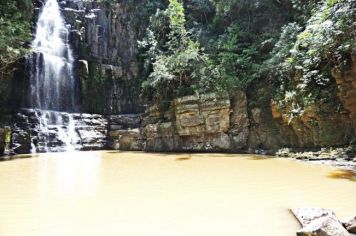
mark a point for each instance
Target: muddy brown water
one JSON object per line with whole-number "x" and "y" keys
{"x": 133, "y": 193}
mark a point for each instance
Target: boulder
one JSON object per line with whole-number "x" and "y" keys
{"x": 350, "y": 225}
{"x": 325, "y": 226}
{"x": 318, "y": 222}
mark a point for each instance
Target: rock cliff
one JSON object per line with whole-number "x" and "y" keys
{"x": 104, "y": 37}
{"x": 323, "y": 124}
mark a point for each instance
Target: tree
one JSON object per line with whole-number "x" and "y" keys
{"x": 176, "y": 63}
{"x": 15, "y": 31}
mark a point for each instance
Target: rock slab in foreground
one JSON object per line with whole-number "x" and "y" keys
{"x": 318, "y": 222}
{"x": 350, "y": 225}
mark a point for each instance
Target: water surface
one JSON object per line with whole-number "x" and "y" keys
{"x": 133, "y": 193}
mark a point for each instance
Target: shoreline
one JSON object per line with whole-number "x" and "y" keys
{"x": 342, "y": 158}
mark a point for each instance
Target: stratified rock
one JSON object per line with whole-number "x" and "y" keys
{"x": 318, "y": 222}
{"x": 350, "y": 225}
{"x": 195, "y": 117}
{"x": 195, "y": 124}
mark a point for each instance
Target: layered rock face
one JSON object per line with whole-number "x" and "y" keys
{"x": 104, "y": 38}
{"x": 196, "y": 124}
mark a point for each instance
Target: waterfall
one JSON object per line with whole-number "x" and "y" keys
{"x": 52, "y": 84}
{"x": 52, "y": 81}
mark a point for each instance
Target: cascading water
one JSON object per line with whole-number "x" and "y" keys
{"x": 52, "y": 80}
{"x": 52, "y": 84}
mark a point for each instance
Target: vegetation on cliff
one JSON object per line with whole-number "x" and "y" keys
{"x": 15, "y": 18}
{"x": 306, "y": 54}
{"x": 15, "y": 31}
{"x": 202, "y": 45}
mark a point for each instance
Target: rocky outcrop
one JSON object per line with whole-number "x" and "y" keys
{"x": 324, "y": 124}
{"x": 316, "y": 127}
{"x": 319, "y": 222}
{"x": 125, "y": 132}
{"x": 264, "y": 134}
{"x": 127, "y": 140}
{"x": 199, "y": 124}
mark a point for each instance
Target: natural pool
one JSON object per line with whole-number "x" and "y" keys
{"x": 133, "y": 193}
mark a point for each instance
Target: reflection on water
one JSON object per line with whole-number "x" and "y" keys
{"x": 183, "y": 158}
{"x": 260, "y": 158}
{"x": 135, "y": 193}
{"x": 72, "y": 174}
{"x": 343, "y": 174}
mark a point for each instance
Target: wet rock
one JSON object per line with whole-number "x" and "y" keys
{"x": 21, "y": 141}
{"x": 350, "y": 225}
{"x": 49, "y": 131}
{"x": 284, "y": 152}
{"x": 322, "y": 158}
{"x": 116, "y": 127}
{"x": 318, "y": 222}
{"x": 2, "y": 140}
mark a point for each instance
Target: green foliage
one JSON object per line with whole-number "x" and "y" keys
{"x": 15, "y": 31}
{"x": 217, "y": 45}
{"x": 236, "y": 57}
{"x": 175, "y": 62}
{"x": 303, "y": 59}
